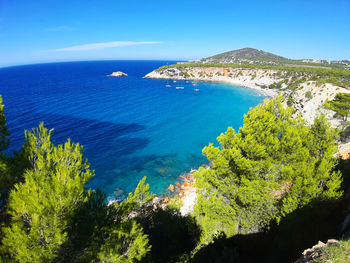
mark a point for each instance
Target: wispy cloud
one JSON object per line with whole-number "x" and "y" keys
{"x": 58, "y": 28}
{"x": 102, "y": 46}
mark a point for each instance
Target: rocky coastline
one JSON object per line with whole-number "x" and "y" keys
{"x": 308, "y": 100}
{"x": 256, "y": 79}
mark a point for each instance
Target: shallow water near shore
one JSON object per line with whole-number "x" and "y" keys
{"x": 130, "y": 126}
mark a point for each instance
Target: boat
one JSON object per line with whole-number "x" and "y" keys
{"x": 179, "y": 87}
{"x": 168, "y": 86}
{"x": 174, "y": 81}
{"x": 194, "y": 84}
{"x": 196, "y": 89}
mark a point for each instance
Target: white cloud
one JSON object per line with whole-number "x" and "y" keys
{"x": 102, "y": 46}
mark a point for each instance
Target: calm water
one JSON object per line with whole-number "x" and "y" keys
{"x": 130, "y": 127}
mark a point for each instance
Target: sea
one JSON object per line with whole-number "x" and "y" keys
{"x": 131, "y": 126}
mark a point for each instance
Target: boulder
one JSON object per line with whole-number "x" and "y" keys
{"x": 171, "y": 188}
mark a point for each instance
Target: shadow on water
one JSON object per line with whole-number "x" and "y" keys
{"x": 92, "y": 134}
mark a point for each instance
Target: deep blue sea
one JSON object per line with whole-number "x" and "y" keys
{"x": 129, "y": 126}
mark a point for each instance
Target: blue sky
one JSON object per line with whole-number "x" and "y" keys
{"x": 51, "y": 30}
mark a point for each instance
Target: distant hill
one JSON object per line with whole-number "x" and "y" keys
{"x": 244, "y": 54}
{"x": 256, "y": 56}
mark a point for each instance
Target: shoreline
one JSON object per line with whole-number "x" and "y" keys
{"x": 240, "y": 81}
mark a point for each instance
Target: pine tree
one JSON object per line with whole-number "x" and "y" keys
{"x": 273, "y": 165}
{"x": 42, "y": 206}
{"x": 139, "y": 201}
{"x": 341, "y": 105}
{"x": 5, "y": 180}
{"x": 4, "y": 133}
{"x": 120, "y": 238}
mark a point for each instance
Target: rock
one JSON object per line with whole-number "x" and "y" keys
{"x": 156, "y": 200}
{"x": 171, "y": 188}
{"x": 118, "y": 192}
{"x": 166, "y": 200}
{"x": 181, "y": 194}
{"x": 332, "y": 241}
{"x": 186, "y": 184}
{"x": 118, "y": 74}
{"x": 314, "y": 253}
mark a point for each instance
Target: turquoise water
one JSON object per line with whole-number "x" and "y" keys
{"x": 130, "y": 127}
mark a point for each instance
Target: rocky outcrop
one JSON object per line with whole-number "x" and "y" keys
{"x": 315, "y": 253}
{"x": 309, "y": 99}
{"x": 118, "y": 74}
{"x": 171, "y": 188}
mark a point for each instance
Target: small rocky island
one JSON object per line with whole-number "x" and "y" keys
{"x": 118, "y": 74}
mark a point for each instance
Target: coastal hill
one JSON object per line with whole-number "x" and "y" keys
{"x": 256, "y": 56}
{"x": 306, "y": 84}
{"x": 244, "y": 54}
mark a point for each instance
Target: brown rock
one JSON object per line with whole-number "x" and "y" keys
{"x": 166, "y": 200}
{"x": 181, "y": 194}
{"x": 171, "y": 188}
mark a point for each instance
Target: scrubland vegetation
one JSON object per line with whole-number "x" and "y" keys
{"x": 272, "y": 189}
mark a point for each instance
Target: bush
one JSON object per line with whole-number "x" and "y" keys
{"x": 308, "y": 95}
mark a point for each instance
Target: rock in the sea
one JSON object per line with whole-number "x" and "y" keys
{"x": 118, "y": 74}
{"x": 171, "y": 188}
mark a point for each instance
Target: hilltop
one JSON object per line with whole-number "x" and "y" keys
{"x": 244, "y": 54}
{"x": 261, "y": 57}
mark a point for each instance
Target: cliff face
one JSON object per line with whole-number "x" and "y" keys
{"x": 257, "y": 77}
{"x": 309, "y": 98}
{"x": 250, "y": 78}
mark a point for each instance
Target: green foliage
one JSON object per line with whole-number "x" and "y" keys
{"x": 140, "y": 200}
{"x": 4, "y": 133}
{"x": 121, "y": 237}
{"x": 41, "y": 206}
{"x": 308, "y": 95}
{"x": 272, "y": 166}
{"x": 54, "y": 218}
{"x": 123, "y": 242}
{"x": 337, "y": 76}
{"x": 344, "y": 135}
{"x": 341, "y": 105}
{"x": 185, "y": 73}
{"x": 334, "y": 253}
